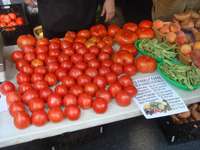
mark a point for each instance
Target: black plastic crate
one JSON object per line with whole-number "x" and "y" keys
{"x": 10, "y": 37}
{"x": 179, "y": 133}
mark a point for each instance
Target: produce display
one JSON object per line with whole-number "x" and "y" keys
{"x": 10, "y": 20}
{"x": 184, "y": 30}
{"x": 192, "y": 115}
{"x": 188, "y": 77}
{"x": 59, "y": 79}
{"x": 158, "y": 50}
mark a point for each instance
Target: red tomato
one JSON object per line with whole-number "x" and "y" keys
{"x": 80, "y": 40}
{"x": 70, "y": 34}
{"x": 36, "y": 77}
{"x": 76, "y": 90}
{"x": 103, "y": 56}
{"x": 144, "y": 33}
{"x": 77, "y": 45}
{"x": 44, "y": 93}
{"x": 37, "y": 63}
{"x": 100, "y": 105}
{"x": 12, "y": 97}
{"x": 52, "y": 67}
{"x": 42, "y": 56}
{"x": 50, "y": 59}
{"x": 68, "y": 81}
{"x": 22, "y": 120}
{"x": 6, "y": 19}
{"x": 16, "y": 107}
{"x": 89, "y": 56}
{"x": 39, "y": 85}
{"x": 7, "y": 87}
{"x": 54, "y": 100}
{"x": 84, "y": 33}
{"x": 20, "y": 63}
{"x": 65, "y": 44}
{"x": 20, "y": 21}
{"x": 117, "y": 68}
{"x": 146, "y": 64}
{"x": 66, "y": 64}
{"x": 130, "y": 26}
{"x": 85, "y": 101}
{"x": 51, "y": 79}
{"x": 69, "y": 99}
{"x": 22, "y": 88}
{"x": 111, "y": 77}
{"x": 113, "y": 29}
{"x": 54, "y": 52}
{"x": 123, "y": 57}
{"x": 54, "y": 45}
{"x": 98, "y": 30}
{"x": 90, "y": 88}
{"x": 104, "y": 70}
{"x": 126, "y": 37}
{"x": 68, "y": 51}
{"x": 55, "y": 40}
{"x": 42, "y": 42}
{"x": 40, "y": 69}
{"x": 25, "y": 40}
{"x": 68, "y": 39}
{"x": 100, "y": 81}
{"x": 130, "y": 48}
{"x": 125, "y": 80}
{"x": 107, "y": 49}
{"x": 27, "y": 69}
{"x": 91, "y": 72}
{"x": 39, "y": 118}
{"x": 63, "y": 57}
{"x": 29, "y": 95}
{"x": 13, "y": 16}
{"x": 22, "y": 78}
{"x": 36, "y": 104}
{"x": 81, "y": 65}
{"x": 115, "y": 88}
{"x": 130, "y": 69}
{"x": 83, "y": 79}
{"x": 131, "y": 90}
{"x": 60, "y": 73}
{"x": 29, "y": 56}
{"x": 61, "y": 90}
{"x": 41, "y": 49}
{"x": 108, "y": 41}
{"x": 103, "y": 94}
{"x": 17, "y": 55}
{"x": 101, "y": 44}
{"x": 106, "y": 63}
{"x": 75, "y": 72}
{"x": 123, "y": 98}
{"x": 55, "y": 115}
{"x": 146, "y": 24}
{"x": 94, "y": 49}
{"x": 76, "y": 58}
{"x": 72, "y": 112}
{"x": 94, "y": 63}
{"x": 28, "y": 49}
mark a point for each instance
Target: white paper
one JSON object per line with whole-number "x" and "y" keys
{"x": 3, "y": 104}
{"x": 156, "y": 98}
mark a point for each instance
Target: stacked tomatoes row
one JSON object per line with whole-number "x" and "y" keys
{"x": 10, "y": 20}
{"x": 59, "y": 78}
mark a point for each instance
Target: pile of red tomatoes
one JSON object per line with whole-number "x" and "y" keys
{"x": 59, "y": 79}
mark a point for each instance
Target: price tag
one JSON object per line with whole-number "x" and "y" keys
{"x": 156, "y": 98}
{"x": 6, "y": 2}
{"x": 3, "y": 104}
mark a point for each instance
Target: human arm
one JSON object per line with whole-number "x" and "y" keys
{"x": 108, "y": 9}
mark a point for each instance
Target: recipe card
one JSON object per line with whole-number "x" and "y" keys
{"x": 156, "y": 98}
{"x": 3, "y": 104}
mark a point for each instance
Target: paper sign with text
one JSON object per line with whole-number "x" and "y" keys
{"x": 156, "y": 98}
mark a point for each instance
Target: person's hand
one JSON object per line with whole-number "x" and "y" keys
{"x": 29, "y": 2}
{"x": 108, "y": 9}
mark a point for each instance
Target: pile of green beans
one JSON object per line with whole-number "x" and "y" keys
{"x": 163, "y": 50}
{"x": 186, "y": 75}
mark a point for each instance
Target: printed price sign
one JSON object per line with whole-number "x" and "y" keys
{"x": 3, "y": 104}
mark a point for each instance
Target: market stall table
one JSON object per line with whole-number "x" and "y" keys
{"x": 9, "y": 135}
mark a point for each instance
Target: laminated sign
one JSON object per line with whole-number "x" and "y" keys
{"x": 156, "y": 98}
